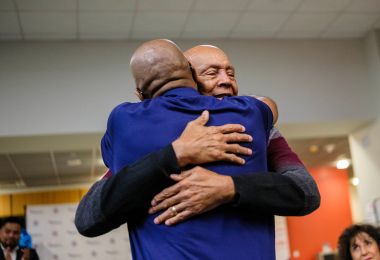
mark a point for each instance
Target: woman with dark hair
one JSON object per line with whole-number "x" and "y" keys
{"x": 359, "y": 242}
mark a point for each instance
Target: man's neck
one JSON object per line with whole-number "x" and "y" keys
{"x": 174, "y": 84}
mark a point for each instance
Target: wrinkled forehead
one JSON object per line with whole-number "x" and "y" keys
{"x": 210, "y": 57}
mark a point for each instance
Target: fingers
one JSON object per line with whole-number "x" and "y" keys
{"x": 171, "y": 217}
{"x": 182, "y": 216}
{"x": 202, "y": 119}
{"x": 229, "y": 157}
{"x": 229, "y": 128}
{"x": 166, "y": 203}
{"x": 237, "y": 137}
{"x": 238, "y": 149}
{"x": 158, "y": 205}
{"x": 183, "y": 175}
{"x": 229, "y": 152}
{"x": 169, "y": 196}
{"x": 164, "y": 194}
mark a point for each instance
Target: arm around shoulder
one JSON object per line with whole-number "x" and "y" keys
{"x": 283, "y": 160}
{"x": 125, "y": 196}
{"x": 288, "y": 190}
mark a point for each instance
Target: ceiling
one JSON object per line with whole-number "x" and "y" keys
{"x": 42, "y": 169}
{"x": 47, "y": 168}
{"x": 186, "y": 19}
{"x": 321, "y": 152}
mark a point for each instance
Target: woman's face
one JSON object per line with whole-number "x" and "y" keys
{"x": 364, "y": 247}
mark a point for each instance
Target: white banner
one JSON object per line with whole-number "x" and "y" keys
{"x": 282, "y": 241}
{"x": 55, "y": 237}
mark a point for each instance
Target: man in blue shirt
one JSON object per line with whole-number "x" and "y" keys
{"x": 215, "y": 76}
{"x": 136, "y": 129}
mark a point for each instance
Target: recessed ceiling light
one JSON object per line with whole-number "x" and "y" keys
{"x": 342, "y": 164}
{"x": 74, "y": 162}
{"x": 329, "y": 148}
{"x": 355, "y": 181}
{"x": 20, "y": 184}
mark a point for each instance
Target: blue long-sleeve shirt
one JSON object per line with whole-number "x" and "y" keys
{"x": 136, "y": 129}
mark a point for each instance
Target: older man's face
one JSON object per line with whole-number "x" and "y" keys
{"x": 214, "y": 72}
{"x": 10, "y": 235}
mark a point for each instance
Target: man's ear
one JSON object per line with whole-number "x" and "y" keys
{"x": 193, "y": 72}
{"x": 139, "y": 94}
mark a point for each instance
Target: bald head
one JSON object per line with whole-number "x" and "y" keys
{"x": 158, "y": 66}
{"x": 213, "y": 71}
{"x": 198, "y": 54}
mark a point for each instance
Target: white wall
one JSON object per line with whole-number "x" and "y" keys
{"x": 312, "y": 81}
{"x": 365, "y": 151}
{"x": 70, "y": 87}
{"x": 365, "y": 143}
{"x": 373, "y": 58}
{"x": 49, "y": 88}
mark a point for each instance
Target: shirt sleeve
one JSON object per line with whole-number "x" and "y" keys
{"x": 112, "y": 201}
{"x": 106, "y": 142}
{"x": 289, "y": 190}
{"x": 106, "y": 148}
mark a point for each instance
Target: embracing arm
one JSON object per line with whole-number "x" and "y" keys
{"x": 126, "y": 195}
{"x": 113, "y": 201}
{"x": 282, "y": 160}
{"x": 288, "y": 191}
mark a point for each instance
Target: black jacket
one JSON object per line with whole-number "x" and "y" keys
{"x": 33, "y": 255}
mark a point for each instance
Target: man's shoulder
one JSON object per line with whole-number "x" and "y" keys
{"x": 125, "y": 107}
{"x": 253, "y": 104}
{"x": 247, "y": 100}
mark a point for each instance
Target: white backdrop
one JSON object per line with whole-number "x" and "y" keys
{"x": 55, "y": 237}
{"x": 282, "y": 240}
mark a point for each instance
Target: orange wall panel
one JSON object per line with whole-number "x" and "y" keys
{"x": 308, "y": 234}
{"x": 20, "y": 201}
{"x": 5, "y": 205}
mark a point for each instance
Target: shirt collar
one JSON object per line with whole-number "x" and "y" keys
{"x": 3, "y": 248}
{"x": 181, "y": 91}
